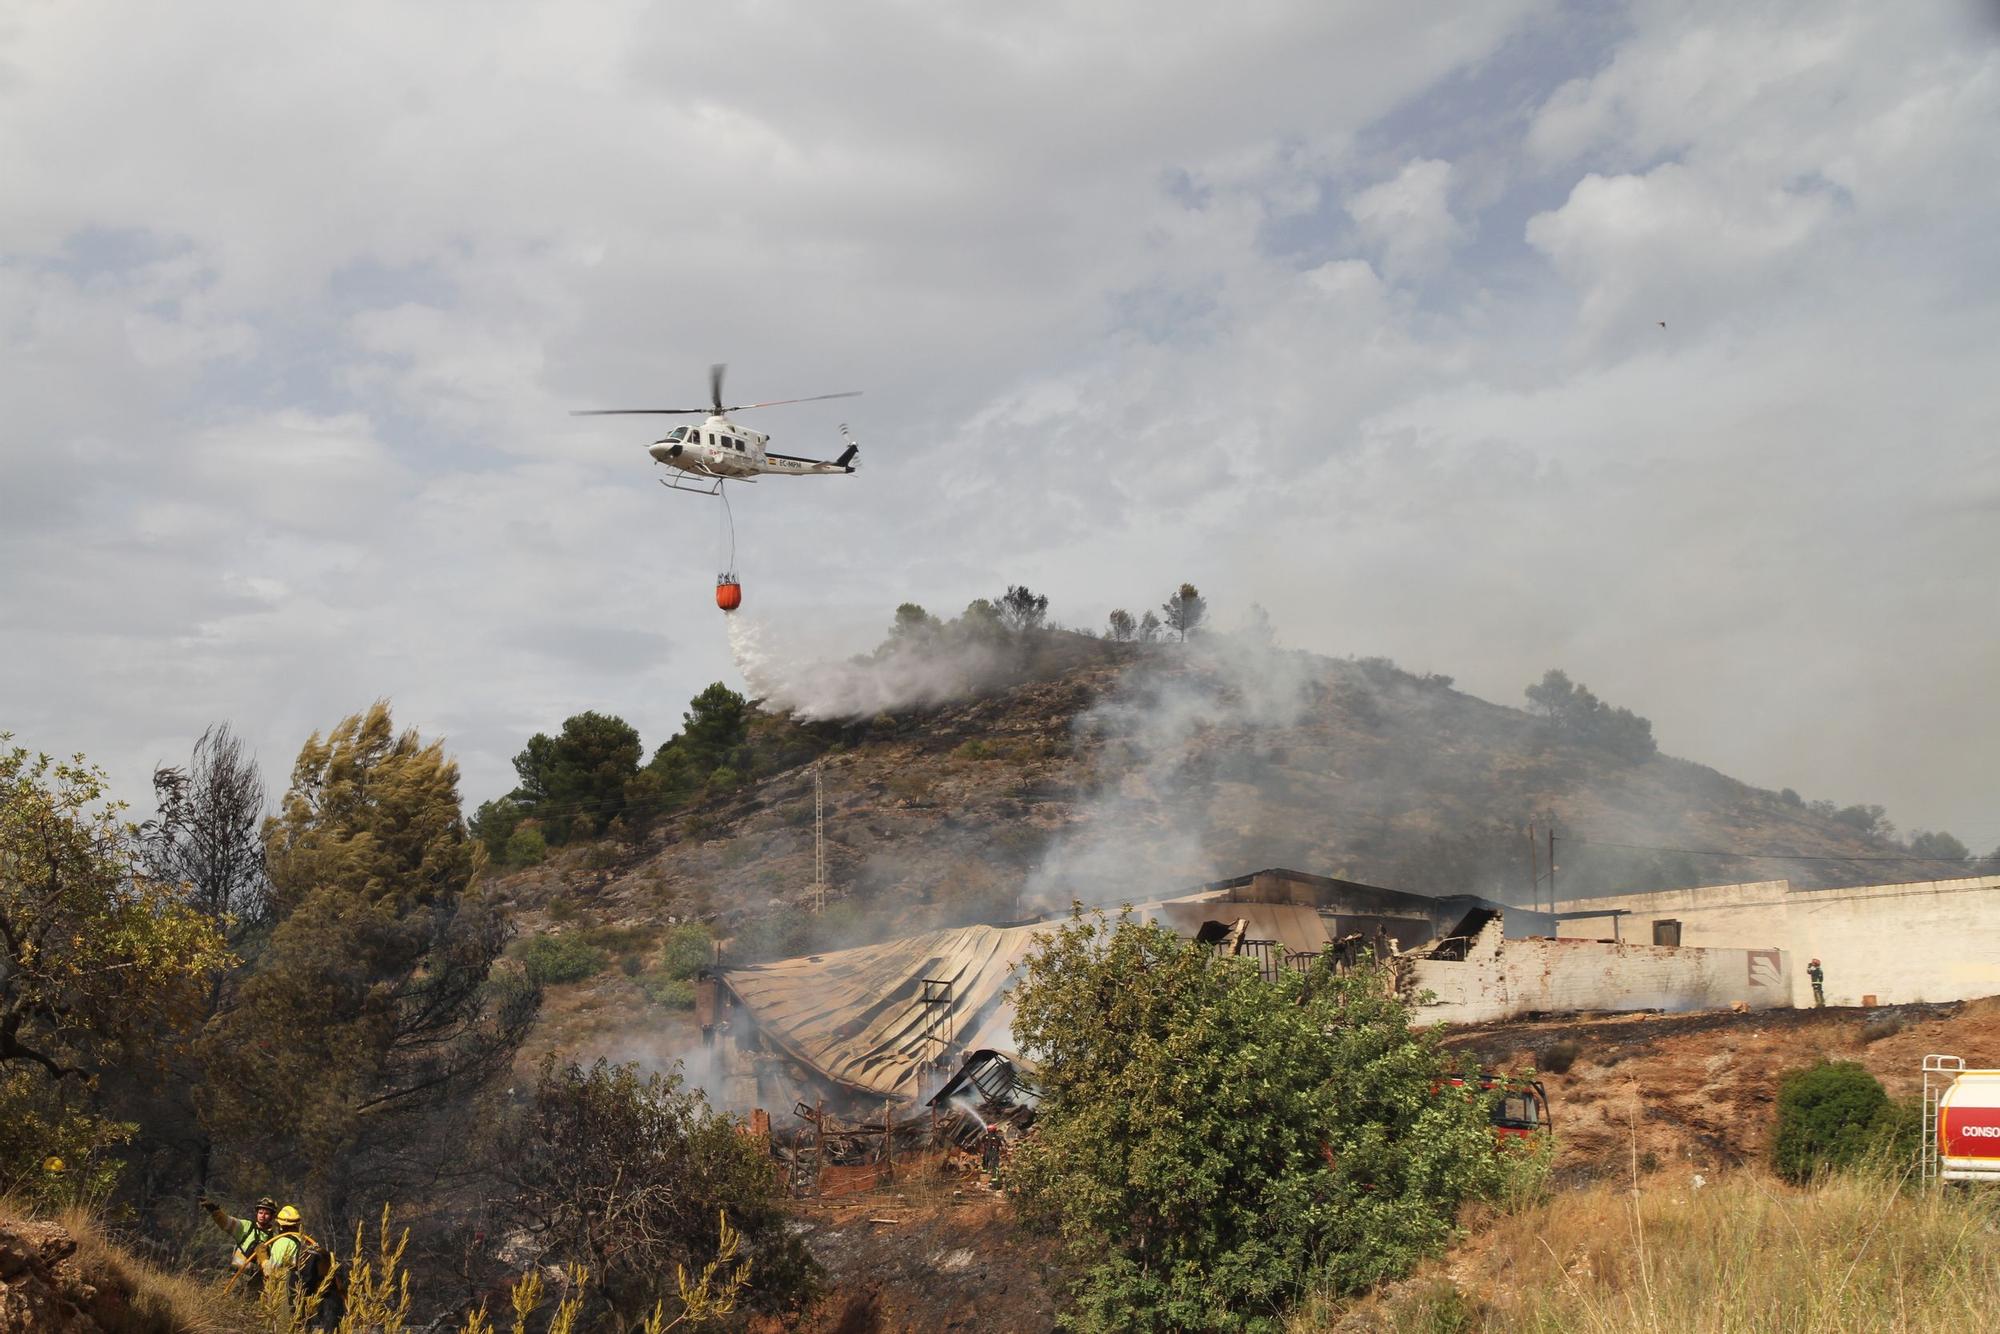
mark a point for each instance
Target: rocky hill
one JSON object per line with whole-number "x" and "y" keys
{"x": 1100, "y": 771}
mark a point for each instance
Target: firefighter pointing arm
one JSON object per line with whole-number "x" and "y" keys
{"x": 246, "y": 1234}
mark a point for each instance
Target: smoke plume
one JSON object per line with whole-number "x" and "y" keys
{"x": 900, "y": 675}
{"x": 1148, "y": 826}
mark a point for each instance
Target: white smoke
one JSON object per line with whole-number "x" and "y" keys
{"x": 900, "y": 676}
{"x": 1145, "y": 829}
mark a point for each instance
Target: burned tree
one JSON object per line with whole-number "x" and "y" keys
{"x": 1021, "y": 609}
{"x": 205, "y": 837}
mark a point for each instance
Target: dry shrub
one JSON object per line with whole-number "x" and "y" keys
{"x": 1885, "y": 1027}
{"x": 1560, "y": 1056}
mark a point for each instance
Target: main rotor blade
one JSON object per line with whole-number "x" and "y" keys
{"x": 636, "y": 412}
{"x": 780, "y": 402}
{"x": 715, "y": 385}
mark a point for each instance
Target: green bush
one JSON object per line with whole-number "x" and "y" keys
{"x": 525, "y": 847}
{"x": 688, "y": 949}
{"x": 676, "y": 993}
{"x": 621, "y": 940}
{"x": 1211, "y": 1146}
{"x": 1832, "y": 1116}
{"x": 555, "y": 960}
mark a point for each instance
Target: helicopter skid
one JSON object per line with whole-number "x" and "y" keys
{"x": 699, "y": 483}
{"x": 694, "y": 486}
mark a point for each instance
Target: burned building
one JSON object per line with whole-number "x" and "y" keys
{"x": 860, "y": 1029}
{"x": 893, "y": 1021}
{"x": 1926, "y": 940}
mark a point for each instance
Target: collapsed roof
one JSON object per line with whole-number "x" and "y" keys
{"x": 872, "y": 1018}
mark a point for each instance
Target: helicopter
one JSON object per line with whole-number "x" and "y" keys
{"x": 704, "y": 457}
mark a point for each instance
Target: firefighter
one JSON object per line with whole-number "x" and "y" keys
{"x": 246, "y": 1234}
{"x": 990, "y": 1146}
{"x": 318, "y": 1285}
{"x": 1818, "y": 976}
{"x": 283, "y": 1251}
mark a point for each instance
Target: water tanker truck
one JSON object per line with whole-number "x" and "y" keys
{"x": 1961, "y": 1121}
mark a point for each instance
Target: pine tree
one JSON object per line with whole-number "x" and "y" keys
{"x": 1185, "y": 610}
{"x": 369, "y": 1008}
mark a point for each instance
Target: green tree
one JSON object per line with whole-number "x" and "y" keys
{"x": 715, "y": 726}
{"x": 369, "y": 1010}
{"x": 626, "y": 1175}
{"x": 576, "y": 779}
{"x": 1576, "y": 714}
{"x": 980, "y": 621}
{"x": 1120, "y": 627}
{"x": 913, "y": 628}
{"x": 494, "y": 823}
{"x": 1149, "y": 628}
{"x": 92, "y": 954}
{"x": 525, "y": 847}
{"x": 1939, "y": 846}
{"x": 1185, "y": 610}
{"x": 1210, "y": 1144}
{"x": 1870, "y": 820}
{"x": 100, "y": 966}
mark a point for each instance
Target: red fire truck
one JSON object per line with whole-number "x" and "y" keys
{"x": 1521, "y": 1111}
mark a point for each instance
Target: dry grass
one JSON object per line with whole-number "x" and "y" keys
{"x": 162, "y": 1302}
{"x": 1745, "y": 1254}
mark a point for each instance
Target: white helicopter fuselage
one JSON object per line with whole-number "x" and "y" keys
{"x": 721, "y": 448}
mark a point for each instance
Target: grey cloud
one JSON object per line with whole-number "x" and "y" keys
{"x": 1046, "y": 249}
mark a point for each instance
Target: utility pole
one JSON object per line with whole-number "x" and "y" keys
{"x": 1535, "y": 876}
{"x": 1552, "y": 867}
{"x": 1534, "y": 871}
{"x": 819, "y": 842}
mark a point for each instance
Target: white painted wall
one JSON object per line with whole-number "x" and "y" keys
{"x": 1500, "y": 978}
{"x": 1930, "y": 940}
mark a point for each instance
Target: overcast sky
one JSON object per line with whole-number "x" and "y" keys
{"x": 1658, "y": 343}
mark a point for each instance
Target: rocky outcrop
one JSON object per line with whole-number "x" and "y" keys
{"x": 43, "y": 1289}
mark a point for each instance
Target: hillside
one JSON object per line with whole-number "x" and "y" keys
{"x": 1124, "y": 768}
{"x": 1097, "y": 771}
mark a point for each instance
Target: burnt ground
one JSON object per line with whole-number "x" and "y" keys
{"x": 934, "y": 1250}
{"x": 1698, "y": 1091}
